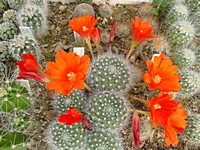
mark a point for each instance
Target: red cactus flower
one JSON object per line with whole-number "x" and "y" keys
{"x": 112, "y": 31}
{"x": 136, "y": 129}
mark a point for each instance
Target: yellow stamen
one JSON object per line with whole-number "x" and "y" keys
{"x": 157, "y": 106}
{"x": 71, "y": 76}
{"x": 157, "y": 79}
{"x": 85, "y": 28}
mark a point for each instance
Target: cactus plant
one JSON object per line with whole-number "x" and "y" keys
{"x": 23, "y": 44}
{"x": 181, "y": 33}
{"x": 98, "y": 140}
{"x": 4, "y": 51}
{"x": 107, "y": 110}
{"x": 106, "y": 11}
{"x": 16, "y": 4}
{"x": 2, "y": 69}
{"x": 7, "y": 30}
{"x": 189, "y": 82}
{"x": 122, "y": 30}
{"x": 195, "y": 18}
{"x": 2, "y": 7}
{"x": 184, "y": 59}
{"x": 110, "y": 72}
{"x": 10, "y": 16}
{"x": 62, "y": 103}
{"x": 177, "y": 13}
{"x": 192, "y": 132}
{"x": 82, "y": 9}
{"x": 10, "y": 140}
{"x": 193, "y": 5}
{"x": 63, "y": 137}
{"x": 13, "y": 97}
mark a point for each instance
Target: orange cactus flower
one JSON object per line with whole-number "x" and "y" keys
{"x": 83, "y": 25}
{"x": 71, "y": 117}
{"x": 162, "y": 74}
{"x": 176, "y": 123}
{"x": 67, "y": 72}
{"x": 141, "y": 30}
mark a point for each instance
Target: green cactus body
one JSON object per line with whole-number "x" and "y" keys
{"x": 195, "y": 18}
{"x": 180, "y": 33}
{"x": 4, "y": 51}
{"x": 105, "y": 11}
{"x": 184, "y": 59}
{"x": 10, "y": 16}
{"x": 177, "y": 13}
{"x": 192, "y": 132}
{"x": 98, "y": 140}
{"x": 7, "y": 30}
{"x": 33, "y": 18}
{"x": 189, "y": 82}
{"x": 122, "y": 30}
{"x": 66, "y": 137}
{"x": 110, "y": 73}
{"x": 13, "y": 97}
{"x": 83, "y": 9}
{"x": 12, "y": 141}
{"x": 2, "y": 7}
{"x": 107, "y": 110}
{"x": 193, "y": 5}
{"x": 75, "y": 99}
{"x": 21, "y": 45}
{"x": 16, "y": 4}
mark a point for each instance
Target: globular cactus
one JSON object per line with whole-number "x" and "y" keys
{"x": 35, "y": 18}
{"x": 193, "y": 5}
{"x": 107, "y": 110}
{"x": 145, "y": 10}
{"x": 181, "y": 33}
{"x": 7, "y": 30}
{"x": 105, "y": 37}
{"x": 160, "y": 44}
{"x": 21, "y": 45}
{"x": 83, "y": 9}
{"x": 177, "y": 13}
{"x": 62, "y": 103}
{"x": 122, "y": 30}
{"x": 99, "y": 140}
{"x": 10, "y": 140}
{"x": 189, "y": 83}
{"x": 192, "y": 132}
{"x": 106, "y": 11}
{"x": 4, "y": 51}
{"x": 10, "y": 16}
{"x": 16, "y": 4}
{"x": 184, "y": 58}
{"x": 63, "y": 137}
{"x": 2, "y": 7}
{"x": 13, "y": 97}
{"x": 110, "y": 72}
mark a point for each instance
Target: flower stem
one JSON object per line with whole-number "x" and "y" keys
{"x": 90, "y": 46}
{"x": 138, "y": 99}
{"x": 87, "y": 87}
{"x": 141, "y": 112}
{"x": 110, "y": 47}
{"x": 139, "y": 84}
{"x": 133, "y": 45}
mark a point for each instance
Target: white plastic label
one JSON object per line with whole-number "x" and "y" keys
{"x": 154, "y": 56}
{"x": 79, "y": 51}
{"x": 77, "y": 37}
{"x": 26, "y": 31}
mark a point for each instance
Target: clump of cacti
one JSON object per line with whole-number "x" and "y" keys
{"x": 181, "y": 33}
{"x": 16, "y": 4}
{"x": 122, "y": 30}
{"x": 13, "y": 97}
{"x": 63, "y": 137}
{"x": 110, "y": 72}
{"x": 102, "y": 141}
{"x": 177, "y": 13}
{"x": 193, "y": 5}
{"x": 10, "y": 16}
{"x": 107, "y": 110}
{"x": 192, "y": 132}
{"x": 21, "y": 45}
{"x": 4, "y": 51}
{"x": 83, "y": 9}
{"x": 106, "y": 11}
{"x": 184, "y": 58}
{"x": 189, "y": 82}
{"x": 62, "y": 103}
{"x": 7, "y": 30}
